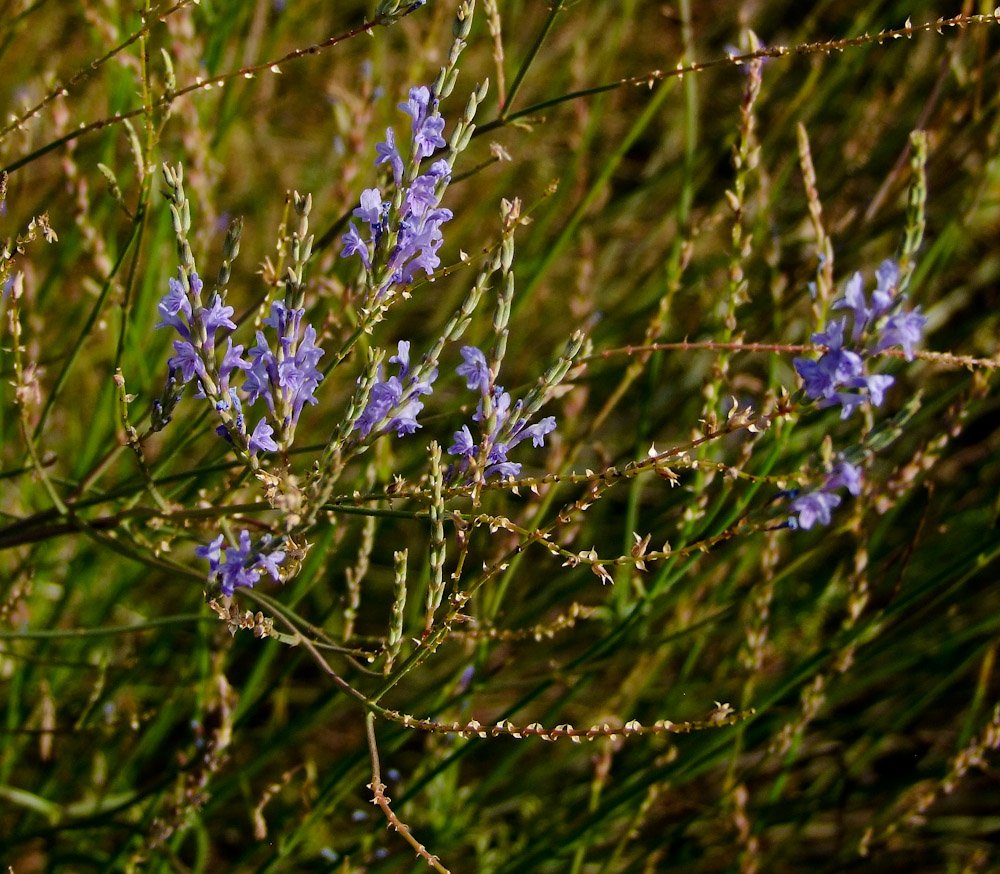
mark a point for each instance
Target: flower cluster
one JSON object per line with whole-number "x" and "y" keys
{"x": 285, "y": 378}
{"x": 839, "y": 376}
{"x": 241, "y": 566}
{"x": 510, "y": 425}
{"x": 405, "y": 237}
{"x": 394, "y": 402}
{"x": 812, "y": 507}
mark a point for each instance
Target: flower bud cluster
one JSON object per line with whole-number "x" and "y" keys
{"x": 285, "y": 377}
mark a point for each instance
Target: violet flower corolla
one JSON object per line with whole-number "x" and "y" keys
{"x": 510, "y": 425}
{"x": 839, "y": 376}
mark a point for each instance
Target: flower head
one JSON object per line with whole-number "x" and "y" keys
{"x": 510, "y": 426}
{"x": 394, "y": 404}
{"x": 240, "y": 566}
{"x": 838, "y": 377}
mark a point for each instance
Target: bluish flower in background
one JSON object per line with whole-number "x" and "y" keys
{"x": 902, "y": 329}
{"x": 394, "y": 403}
{"x": 510, "y": 428}
{"x": 816, "y": 506}
{"x": 839, "y": 377}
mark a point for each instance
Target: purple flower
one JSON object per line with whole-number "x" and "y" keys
{"x": 261, "y": 439}
{"x": 877, "y": 384}
{"x": 231, "y": 360}
{"x": 833, "y": 369}
{"x": 475, "y": 369}
{"x": 187, "y": 360}
{"x": 289, "y": 384}
{"x": 849, "y": 402}
{"x": 416, "y": 105}
{"x": 388, "y": 153}
{"x": 886, "y": 279}
{"x": 844, "y": 475}
{"x": 812, "y": 508}
{"x": 219, "y": 316}
{"x": 464, "y": 444}
{"x": 394, "y": 404}
{"x": 416, "y": 226}
{"x": 233, "y": 571}
{"x": 270, "y": 562}
{"x": 427, "y": 124}
{"x": 902, "y": 329}
{"x": 240, "y": 566}
{"x": 536, "y": 432}
{"x": 839, "y": 377}
{"x": 354, "y": 244}
{"x": 429, "y": 137}
{"x": 212, "y": 552}
{"x": 172, "y": 306}
{"x": 510, "y": 426}
{"x": 816, "y": 506}
{"x": 854, "y": 300}
{"x": 370, "y": 210}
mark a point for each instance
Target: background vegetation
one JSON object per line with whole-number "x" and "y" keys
{"x": 822, "y": 698}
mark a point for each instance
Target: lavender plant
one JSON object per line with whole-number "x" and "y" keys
{"x": 515, "y": 482}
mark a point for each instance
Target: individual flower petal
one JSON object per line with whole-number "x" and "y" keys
{"x": 887, "y": 280}
{"x": 353, "y": 244}
{"x": 269, "y": 562}
{"x": 854, "y": 300}
{"x": 212, "y": 552}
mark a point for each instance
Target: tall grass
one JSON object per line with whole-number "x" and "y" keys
{"x": 636, "y": 652}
